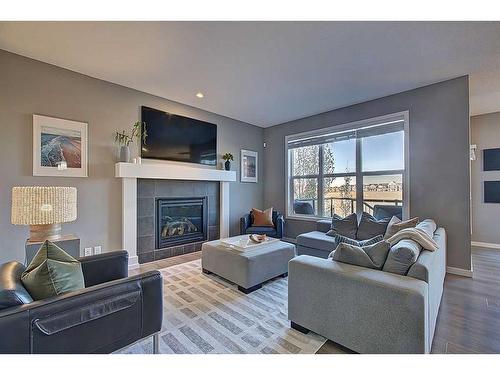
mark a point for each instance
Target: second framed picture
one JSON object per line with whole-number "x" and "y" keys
{"x": 249, "y": 166}
{"x": 59, "y": 147}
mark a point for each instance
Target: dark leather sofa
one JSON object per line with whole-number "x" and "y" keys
{"x": 110, "y": 313}
{"x": 276, "y": 231}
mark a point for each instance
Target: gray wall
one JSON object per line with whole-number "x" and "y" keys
{"x": 485, "y": 133}
{"x": 439, "y": 157}
{"x": 29, "y": 87}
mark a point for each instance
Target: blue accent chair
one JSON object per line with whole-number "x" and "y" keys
{"x": 275, "y": 231}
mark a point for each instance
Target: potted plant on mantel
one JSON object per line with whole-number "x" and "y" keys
{"x": 228, "y": 158}
{"x": 124, "y": 140}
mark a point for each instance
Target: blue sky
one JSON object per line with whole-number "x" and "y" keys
{"x": 381, "y": 152}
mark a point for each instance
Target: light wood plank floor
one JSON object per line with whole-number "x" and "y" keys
{"x": 469, "y": 316}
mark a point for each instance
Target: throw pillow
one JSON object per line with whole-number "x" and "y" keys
{"x": 262, "y": 218}
{"x": 402, "y": 256}
{"x": 339, "y": 238}
{"x": 52, "y": 272}
{"x": 396, "y": 224}
{"x": 372, "y": 256}
{"x": 346, "y": 226}
{"x": 370, "y": 227}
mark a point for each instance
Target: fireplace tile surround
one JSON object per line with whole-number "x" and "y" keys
{"x": 130, "y": 173}
{"x": 147, "y": 192}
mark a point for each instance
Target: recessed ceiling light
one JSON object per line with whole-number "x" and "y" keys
{"x": 199, "y": 95}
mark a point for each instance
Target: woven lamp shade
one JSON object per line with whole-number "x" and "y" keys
{"x": 41, "y": 205}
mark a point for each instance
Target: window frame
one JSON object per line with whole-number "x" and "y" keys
{"x": 358, "y": 173}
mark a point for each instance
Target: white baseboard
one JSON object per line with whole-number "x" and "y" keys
{"x": 133, "y": 262}
{"x": 459, "y": 271}
{"x": 486, "y": 244}
{"x": 287, "y": 239}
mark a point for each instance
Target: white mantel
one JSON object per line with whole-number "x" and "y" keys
{"x": 129, "y": 173}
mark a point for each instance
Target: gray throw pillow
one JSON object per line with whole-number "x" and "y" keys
{"x": 370, "y": 227}
{"x": 339, "y": 238}
{"x": 347, "y": 226}
{"x": 372, "y": 256}
{"x": 402, "y": 256}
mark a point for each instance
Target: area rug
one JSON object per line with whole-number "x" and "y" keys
{"x": 205, "y": 314}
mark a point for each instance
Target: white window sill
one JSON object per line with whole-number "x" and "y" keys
{"x": 306, "y": 218}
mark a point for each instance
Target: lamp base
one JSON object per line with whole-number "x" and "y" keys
{"x": 45, "y": 232}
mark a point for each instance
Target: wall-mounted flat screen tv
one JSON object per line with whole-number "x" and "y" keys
{"x": 178, "y": 138}
{"x": 491, "y": 159}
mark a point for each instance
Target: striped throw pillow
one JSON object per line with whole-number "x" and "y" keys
{"x": 343, "y": 239}
{"x": 371, "y": 241}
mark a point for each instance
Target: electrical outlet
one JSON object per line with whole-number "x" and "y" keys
{"x": 87, "y": 252}
{"x": 97, "y": 250}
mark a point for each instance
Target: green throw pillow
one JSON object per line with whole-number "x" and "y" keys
{"x": 52, "y": 272}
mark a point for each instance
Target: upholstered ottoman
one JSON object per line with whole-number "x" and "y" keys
{"x": 250, "y": 268}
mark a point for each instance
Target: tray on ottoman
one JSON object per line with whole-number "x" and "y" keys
{"x": 249, "y": 268}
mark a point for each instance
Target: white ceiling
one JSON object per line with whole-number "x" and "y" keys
{"x": 269, "y": 73}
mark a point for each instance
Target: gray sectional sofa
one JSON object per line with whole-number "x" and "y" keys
{"x": 316, "y": 243}
{"x": 365, "y": 310}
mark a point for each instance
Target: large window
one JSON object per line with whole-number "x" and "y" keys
{"x": 351, "y": 170}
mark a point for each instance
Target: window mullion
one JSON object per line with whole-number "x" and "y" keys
{"x": 359, "y": 178}
{"x": 290, "y": 182}
{"x": 320, "y": 182}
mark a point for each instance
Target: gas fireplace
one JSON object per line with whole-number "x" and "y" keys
{"x": 181, "y": 221}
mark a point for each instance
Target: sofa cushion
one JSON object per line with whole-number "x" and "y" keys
{"x": 338, "y": 239}
{"x": 270, "y": 231}
{"x": 347, "y": 226}
{"x": 370, "y": 227}
{"x": 427, "y": 261}
{"x": 372, "y": 256}
{"x": 52, "y": 272}
{"x": 402, "y": 256}
{"x": 12, "y": 291}
{"x": 316, "y": 240}
{"x": 396, "y": 224}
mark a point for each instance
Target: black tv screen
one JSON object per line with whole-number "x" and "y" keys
{"x": 178, "y": 138}
{"x": 491, "y": 159}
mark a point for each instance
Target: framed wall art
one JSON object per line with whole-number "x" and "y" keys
{"x": 59, "y": 147}
{"x": 249, "y": 166}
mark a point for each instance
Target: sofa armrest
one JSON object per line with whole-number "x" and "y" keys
{"x": 152, "y": 295}
{"x": 98, "y": 319}
{"x": 366, "y": 310}
{"x": 324, "y": 225}
{"x": 280, "y": 224}
{"x": 98, "y": 269}
{"x": 245, "y": 223}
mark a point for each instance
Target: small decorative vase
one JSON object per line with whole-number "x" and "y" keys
{"x": 227, "y": 165}
{"x": 124, "y": 154}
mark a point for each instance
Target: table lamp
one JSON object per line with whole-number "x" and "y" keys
{"x": 43, "y": 209}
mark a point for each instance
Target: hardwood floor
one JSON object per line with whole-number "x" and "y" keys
{"x": 164, "y": 263}
{"x": 469, "y": 316}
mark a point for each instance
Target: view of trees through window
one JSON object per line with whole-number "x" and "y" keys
{"x": 323, "y": 176}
